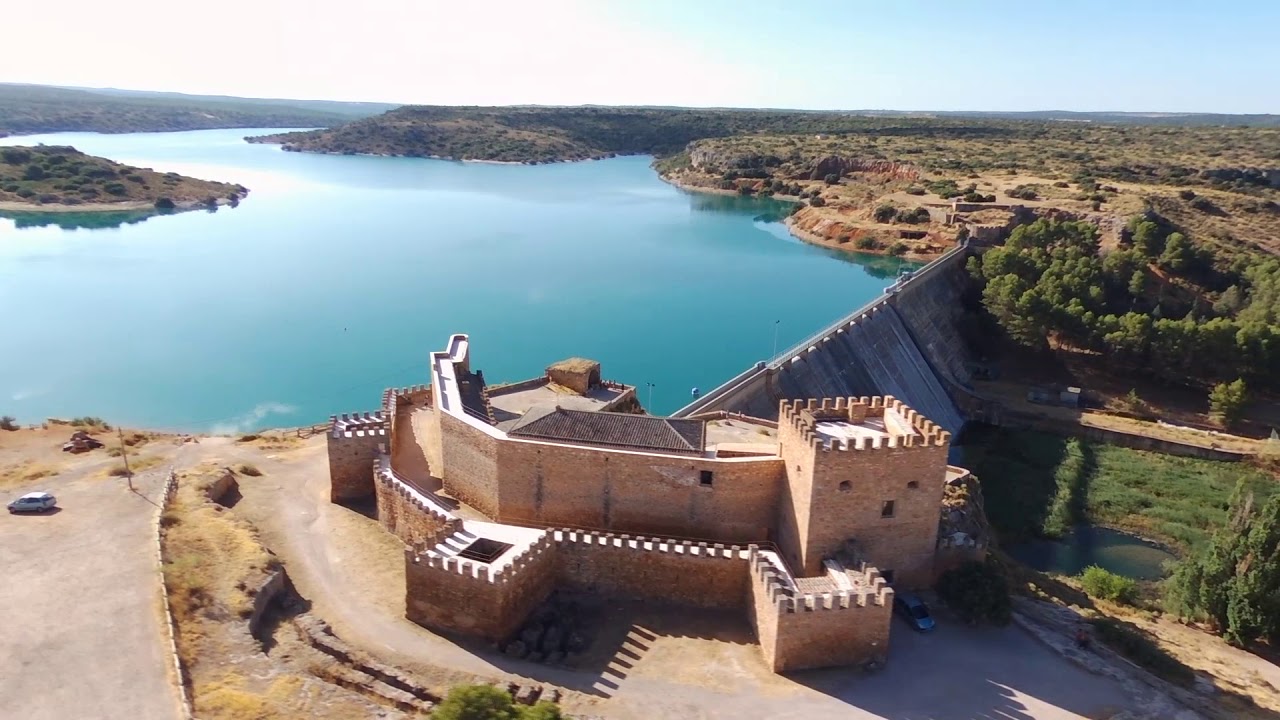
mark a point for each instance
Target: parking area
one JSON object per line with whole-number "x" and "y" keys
{"x": 81, "y": 634}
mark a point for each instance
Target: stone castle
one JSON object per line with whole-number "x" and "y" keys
{"x": 502, "y": 494}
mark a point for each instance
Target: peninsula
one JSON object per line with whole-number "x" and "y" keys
{"x": 52, "y": 178}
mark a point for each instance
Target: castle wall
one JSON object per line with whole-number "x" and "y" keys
{"x": 407, "y": 517}
{"x": 840, "y": 632}
{"x": 352, "y": 451}
{"x": 470, "y": 463}
{"x": 650, "y": 494}
{"x": 700, "y": 575}
{"x": 454, "y": 595}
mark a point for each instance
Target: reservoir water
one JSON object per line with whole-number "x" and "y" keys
{"x": 337, "y": 275}
{"x": 1086, "y": 545}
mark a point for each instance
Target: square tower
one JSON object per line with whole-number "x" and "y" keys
{"x": 865, "y": 474}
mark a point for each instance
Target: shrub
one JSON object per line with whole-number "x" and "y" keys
{"x": 1022, "y": 192}
{"x": 250, "y": 470}
{"x": 915, "y": 190}
{"x": 116, "y": 189}
{"x": 15, "y": 155}
{"x": 831, "y": 179}
{"x": 1227, "y": 400}
{"x": 1107, "y": 585}
{"x": 1135, "y": 645}
{"x": 978, "y": 592}
{"x": 1062, "y": 184}
{"x": 164, "y": 203}
{"x": 842, "y": 238}
{"x": 90, "y": 421}
{"x": 476, "y": 702}
{"x": 8, "y": 422}
{"x": 34, "y": 172}
{"x": 885, "y": 213}
{"x": 817, "y": 201}
{"x": 1187, "y": 194}
{"x": 866, "y": 242}
{"x": 898, "y": 248}
{"x": 914, "y": 216}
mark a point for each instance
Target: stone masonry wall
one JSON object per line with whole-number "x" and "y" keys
{"x": 651, "y": 494}
{"x": 798, "y": 632}
{"x": 408, "y": 518}
{"x": 455, "y": 595}
{"x": 470, "y": 464}
{"x": 849, "y": 487}
{"x": 697, "y": 574}
{"x": 353, "y": 444}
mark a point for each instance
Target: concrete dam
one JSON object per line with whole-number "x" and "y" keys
{"x": 904, "y": 343}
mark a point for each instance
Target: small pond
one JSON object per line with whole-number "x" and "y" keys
{"x": 1086, "y": 545}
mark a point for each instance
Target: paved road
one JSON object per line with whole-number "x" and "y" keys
{"x": 81, "y": 630}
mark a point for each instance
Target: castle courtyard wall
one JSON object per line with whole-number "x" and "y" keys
{"x": 698, "y": 575}
{"x": 408, "y": 518}
{"x": 644, "y": 494}
{"x": 455, "y": 595}
{"x": 470, "y": 463}
{"x": 816, "y": 636}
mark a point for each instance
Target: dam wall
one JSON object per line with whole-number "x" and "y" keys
{"x": 904, "y": 343}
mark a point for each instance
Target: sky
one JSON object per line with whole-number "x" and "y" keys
{"x": 1086, "y": 55}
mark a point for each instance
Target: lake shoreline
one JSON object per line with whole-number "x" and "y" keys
{"x": 129, "y": 206}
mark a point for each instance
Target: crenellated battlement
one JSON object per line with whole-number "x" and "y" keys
{"x": 492, "y": 573}
{"x": 425, "y": 502}
{"x": 895, "y": 423}
{"x": 358, "y": 425}
{"x": 868, "y": 588}
{"x": 641, "y": 543}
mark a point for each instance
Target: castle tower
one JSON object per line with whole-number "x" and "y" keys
{"x": 865, "y": 470}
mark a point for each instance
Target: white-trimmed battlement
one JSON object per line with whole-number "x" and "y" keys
{"x": 898, "y": 424}
{"x": 650, "y": 544}
{"x": 501, "y": 571}
{"x": 427, "y": 503}
{"x": 779, "y": 586}
{"x": 351, "y": 425}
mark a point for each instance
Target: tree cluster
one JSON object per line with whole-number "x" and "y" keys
{"x": 485, "y": 702}
{"x": 1049, "y": 278}
{"x": 978, "y": 592}
{"x": 1234, "y": 581}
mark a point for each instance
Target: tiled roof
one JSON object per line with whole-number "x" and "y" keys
{"x": 623, "y": 430}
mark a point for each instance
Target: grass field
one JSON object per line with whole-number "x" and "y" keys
{"x": 1037, "y": 484}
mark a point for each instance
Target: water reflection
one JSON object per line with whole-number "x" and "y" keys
{"x": 103, "y": 220}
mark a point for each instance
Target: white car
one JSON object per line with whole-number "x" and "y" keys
{"x": 33, "y": 502}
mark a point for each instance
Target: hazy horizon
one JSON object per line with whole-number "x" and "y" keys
{"x": 923, "y": 56}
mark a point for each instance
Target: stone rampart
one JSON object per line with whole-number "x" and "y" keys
{"x": 353, "y": 442}
{"x": 802, "y": 631}
{"x": 408, "y": 513}
{"x": 803, "y": 414}
{"x": 459, "y": 595}
{"x": 699, "y": 574}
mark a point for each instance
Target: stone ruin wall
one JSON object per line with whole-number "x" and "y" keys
{"x": 795, "y": 631}
{"x": 353, "y": 443}
{"x": 457, "y": 595}
{"x": 876, "y": 470}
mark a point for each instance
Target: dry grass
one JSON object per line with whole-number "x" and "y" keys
{"x": 25, "y": 472}
{"x": 136, "y": 465}
{"x": 213, "y": 560}
{"x": 232, "y": 698}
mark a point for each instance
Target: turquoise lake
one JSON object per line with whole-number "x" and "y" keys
{"x": 338, "y": 275}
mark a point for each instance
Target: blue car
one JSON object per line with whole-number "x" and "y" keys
{"x": 914, "y": 611}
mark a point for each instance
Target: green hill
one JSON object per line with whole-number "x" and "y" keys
{"x": 27, "y": 109}
{"x": 54, "y": 177}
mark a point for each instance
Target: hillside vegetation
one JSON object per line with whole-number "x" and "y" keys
{"x": 27, "y": 109}
{"x": 49, "y": 175}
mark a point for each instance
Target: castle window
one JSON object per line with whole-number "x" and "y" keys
{"x": 845, "y": 486}
{"x": 887, "y": 575}
{"x": 886, "y": 509}
{"x": 706, "y": 478}
{"x": 913, "y": 484}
